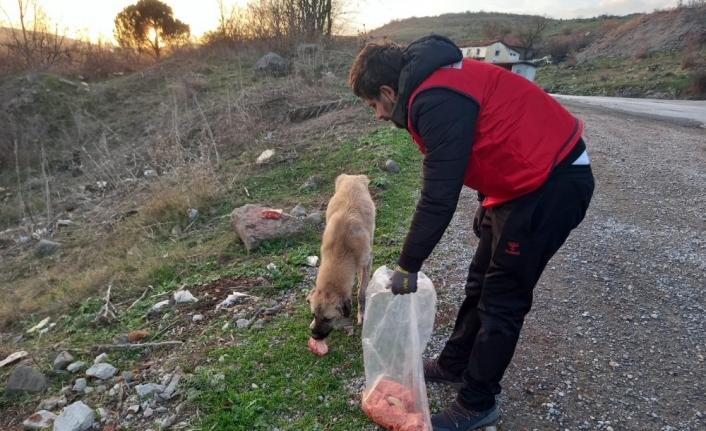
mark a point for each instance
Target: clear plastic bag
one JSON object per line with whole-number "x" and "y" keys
{"x": 396, "y": 330}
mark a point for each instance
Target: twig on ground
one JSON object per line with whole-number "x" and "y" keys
{"x": 140, "y": 298}
{"x": 107, "y": 312}
{"x": 120, "y": 398}
{"x": 137, "y": 345}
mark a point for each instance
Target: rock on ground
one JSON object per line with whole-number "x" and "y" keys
{"x": 76, "y": 417}
{"x": 25, "y": 380}
{"x": 252, "y": 228}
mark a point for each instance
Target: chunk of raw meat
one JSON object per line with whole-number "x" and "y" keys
{"x": 393, "y": 406}
{"x": 318, "y": 346}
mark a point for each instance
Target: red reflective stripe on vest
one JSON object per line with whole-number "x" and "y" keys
{"x": 521, "y": 132}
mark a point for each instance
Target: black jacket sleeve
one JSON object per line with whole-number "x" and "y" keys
{"x": 445, "y": 121}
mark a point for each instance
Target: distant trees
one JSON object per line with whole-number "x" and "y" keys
{"x": 149, "y": 26}
{"x": 529, "y": 32}
{"x": 496, "y": 29}
{"x": 279, "y": 20}
{"x": 34, "y": 41}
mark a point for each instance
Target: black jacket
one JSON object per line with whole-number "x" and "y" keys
{"x": 446, "y": 121}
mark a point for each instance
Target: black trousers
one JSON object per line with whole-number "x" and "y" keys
{"x": 517, "y": 240}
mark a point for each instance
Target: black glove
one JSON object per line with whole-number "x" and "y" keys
{"x": 403, "y": 282}
{"x": 478, "y": 220}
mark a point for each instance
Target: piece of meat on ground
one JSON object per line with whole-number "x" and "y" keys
{"x": 318, "y": 346}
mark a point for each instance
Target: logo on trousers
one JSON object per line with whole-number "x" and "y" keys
{"x": 513, "y": 248}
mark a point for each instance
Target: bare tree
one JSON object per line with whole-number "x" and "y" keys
{"x": 38, "y": 42}
{"x": 279, "y": 20}
{"x": 529, "y": 33}
{"x": 496, "y": 29}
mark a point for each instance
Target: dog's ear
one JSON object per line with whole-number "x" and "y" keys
{"x": 344, "y": 307}
{"x": 310, "y": 295}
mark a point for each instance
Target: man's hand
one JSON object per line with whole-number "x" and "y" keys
{"x": 478, "y": 220}
{"x": 403, "y": 282}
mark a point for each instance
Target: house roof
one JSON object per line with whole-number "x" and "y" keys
{"x": 509, "y": 41}
{"x": 512, "y": 63}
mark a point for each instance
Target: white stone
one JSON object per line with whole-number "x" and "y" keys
{"x": 242, "y": 323}
{"x": 103, "y": 413}
{"x": 197, "y": 318}
{"x": 102, "y": 371}
{"x": 101, "y": 358}
{"x": 39, "y": 421}
{"x": 80, "y": 385}
{"x": 148, "y": 389}
{"x": 76, "y": 417}
{"x": 312, "y": 261}
{"x": 265, "y": 156}
{"x": 76, "y": 367}
{"x": 158, "y": 306}
{"x": 172, "y": 385}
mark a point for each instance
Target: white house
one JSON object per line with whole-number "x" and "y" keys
{"x": 477, "y": 52}
{"x": 498, "y": 52}
{"x": 524, "y": 68}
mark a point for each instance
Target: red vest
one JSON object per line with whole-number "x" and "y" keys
{"x": 521, "y": 132}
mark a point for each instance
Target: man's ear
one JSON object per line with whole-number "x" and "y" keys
{"x": 344, "y": 307}
{"x": 388, "y": 92}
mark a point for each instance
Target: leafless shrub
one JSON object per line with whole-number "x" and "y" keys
{"x": 608, "y": 25}
{"x": 571, "y": 60}
{"x": 559, "y": 47}
{"x": 690, "y": 4}
{"x": 688, "y": 58}
{"x": 698, "y": 85}
{"x": 281, "y": 24}
{"x": 641, "y": 53}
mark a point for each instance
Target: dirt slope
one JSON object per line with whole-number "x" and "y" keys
{"x": 656, "y": 32}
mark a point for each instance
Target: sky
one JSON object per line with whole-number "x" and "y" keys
{"x": 95, "y": 17}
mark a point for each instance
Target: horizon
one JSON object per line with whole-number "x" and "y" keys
{"x": 75, "y": 15}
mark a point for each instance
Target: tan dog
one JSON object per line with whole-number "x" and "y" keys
{"x": 346, "y": 251}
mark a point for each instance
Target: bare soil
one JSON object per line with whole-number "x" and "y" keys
{"x": 657, "y": 32}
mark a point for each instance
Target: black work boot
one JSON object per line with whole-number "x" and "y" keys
{"x": 457, "y": 418}
{"x": 434, "y": 373}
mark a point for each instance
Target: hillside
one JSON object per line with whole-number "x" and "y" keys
{"x": 657, "y": 32}
{"x": 462, "y": 27}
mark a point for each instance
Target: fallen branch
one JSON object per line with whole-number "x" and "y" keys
{"x": 140, "y": 298}
{"x": 106, "y": 314}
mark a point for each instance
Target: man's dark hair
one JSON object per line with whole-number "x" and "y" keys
{"x": 377, "y": 64}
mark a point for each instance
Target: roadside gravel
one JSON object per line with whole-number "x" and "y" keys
{"x": 616, "y": 339}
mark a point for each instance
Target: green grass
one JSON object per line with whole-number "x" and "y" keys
{"x": 614, "y": 77}
{"x": 270, "y": 379}
{"x": 267, "y": 378}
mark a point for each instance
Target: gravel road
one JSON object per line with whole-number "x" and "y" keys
{"x": 684, "y": 112}
{"x": 616, "y": 339}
